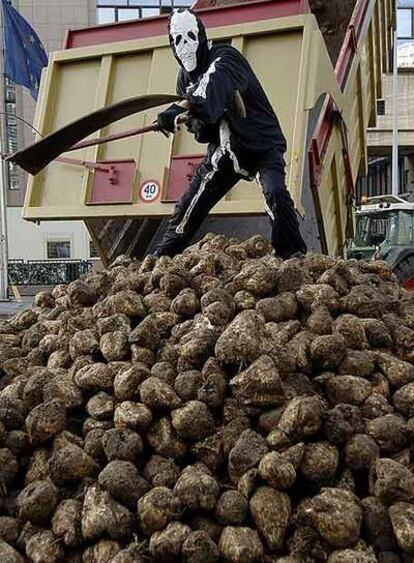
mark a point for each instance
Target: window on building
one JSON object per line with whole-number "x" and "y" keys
{"x": 405, "y": 28}
{"x": 93, "y": 253}
{"x": 405, "y": 22}
{"x": 10, "y": 94}
{"x": 58, "y": 249}
{"x": 111, "y": 11}
{"x": 128, "y": 14}
{"x": 11, "y": 108}
{"x": 106, "y": 15}
{"x": 114, "y": 2}
{"x": 12, "y": 144}
{"x": 11, "y": 133}
{"x": 14, "y": 175}
{"x": 150, "y": 12}
{"x": 11, "y": 120}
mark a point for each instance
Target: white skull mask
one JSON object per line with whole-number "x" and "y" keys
{"x": 184, "y": 32}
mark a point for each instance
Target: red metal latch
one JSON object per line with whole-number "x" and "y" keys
{"x": 112, "y": 183}
{"x": 111, "y": 170}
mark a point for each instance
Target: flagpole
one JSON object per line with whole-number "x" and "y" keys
{"x": 4, "y": 177}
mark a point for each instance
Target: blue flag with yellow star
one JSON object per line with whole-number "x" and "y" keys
{"x": 24, "y": 55}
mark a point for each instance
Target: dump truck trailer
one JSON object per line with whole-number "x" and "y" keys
{"x": 321, "y": 64}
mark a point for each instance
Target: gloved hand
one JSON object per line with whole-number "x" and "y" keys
{"x": 167, "y": 120}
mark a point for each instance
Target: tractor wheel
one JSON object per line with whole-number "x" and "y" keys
{"x": 404, "y": 271}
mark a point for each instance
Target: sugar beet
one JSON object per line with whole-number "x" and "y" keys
{"x": 195, "y": 409}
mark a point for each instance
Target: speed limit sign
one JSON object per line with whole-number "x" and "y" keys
{"x": 149, "y": 191}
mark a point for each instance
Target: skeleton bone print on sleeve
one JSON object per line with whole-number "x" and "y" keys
{"x": 185, "y": 38}
{"x": 201, "y": 90}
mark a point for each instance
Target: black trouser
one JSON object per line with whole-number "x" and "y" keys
{"x": 211, "y": 183}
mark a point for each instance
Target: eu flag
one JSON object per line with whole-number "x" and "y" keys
{"x": 24, "y": 53}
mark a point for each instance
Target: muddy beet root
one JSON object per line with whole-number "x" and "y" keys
{"x": 167, "y": 544}
{"x": 401, "y": 515}
{"x": 270, "y": 510}
{"x": 197, "y": 489}
{"x": 200, "y": 548}
{"x": 157, "y": 508}
{"x": 123, "y": 481}
{"x": 337, "y": 516}
{"x": 193, "y": 421}
{"x": 46, "y": 420}
{"x": 71, "y": 463}
{"x": 246, "y": 453}
{"x": 277, "y": 471}
{"x": 240, "y": 544}
{"x": 66, "y": 522}
{"x": 102, "y": 515}
{"x": 231, "y": 509}
{"x": 37, "y": 502}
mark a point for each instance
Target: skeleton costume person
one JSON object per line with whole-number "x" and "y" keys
{"x": 230, "y": 111}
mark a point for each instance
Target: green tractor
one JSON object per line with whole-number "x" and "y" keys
{"x": 385, "y": 231}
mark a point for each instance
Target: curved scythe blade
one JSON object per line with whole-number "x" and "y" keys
{"x": 35, "y": 157}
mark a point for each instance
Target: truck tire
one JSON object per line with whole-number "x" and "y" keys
{"x": 404, "y": 271}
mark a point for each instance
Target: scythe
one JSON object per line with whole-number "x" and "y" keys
{"x": 38, "y": 155}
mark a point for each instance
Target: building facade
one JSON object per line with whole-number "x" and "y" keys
{"x": 51, "y": 19}
{"x": 379, "y": 179}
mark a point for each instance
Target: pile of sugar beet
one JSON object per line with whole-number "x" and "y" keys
{"x": 222, "y": 405}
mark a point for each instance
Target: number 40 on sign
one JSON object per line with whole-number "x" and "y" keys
{"x": 149, "y": 191}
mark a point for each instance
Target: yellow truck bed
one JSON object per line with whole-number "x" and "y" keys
{"x": 324, "y": 113}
